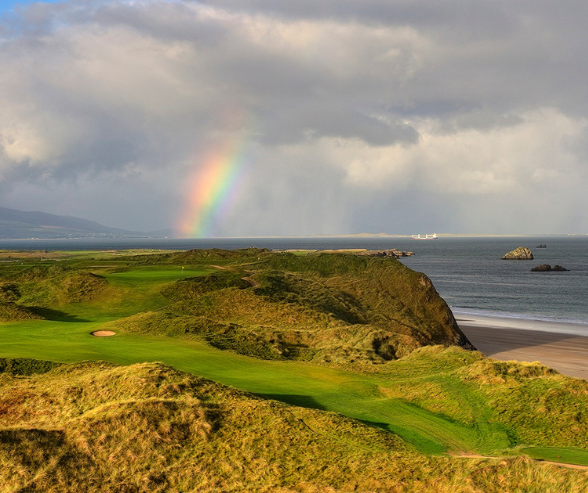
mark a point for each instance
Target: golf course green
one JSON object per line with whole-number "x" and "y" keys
{"x": 438, "y": 397}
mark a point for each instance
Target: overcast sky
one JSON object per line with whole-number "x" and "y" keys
{"x": 331, "y": 116}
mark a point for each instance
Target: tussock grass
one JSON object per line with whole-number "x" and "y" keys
{"x": 195, "y": 286}
{"x": 62, "y": 289}
{"x": 9, "y": 292}
{"x": 260, "y": 342}
{"x": 364, "y": 337}
{"x": 147, "y": 427}
{"x": 11, "y": 312}
{"x": 25, "y": 366}
{"x": 202, "y": 257}
{"x": 544, "y": 407}
{"x": 337, "y": 309}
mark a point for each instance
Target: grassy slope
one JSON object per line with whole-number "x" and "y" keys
{"x": 353, "y": 394}
{"x": 148, "y": 427}
{"x": 435, "y": 399}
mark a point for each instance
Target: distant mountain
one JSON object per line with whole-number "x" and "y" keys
{"x": 20, "y": 224}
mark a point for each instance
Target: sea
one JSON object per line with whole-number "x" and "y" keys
{"x": 466, "y": 271}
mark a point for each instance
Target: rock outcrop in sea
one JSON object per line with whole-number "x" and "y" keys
{"x": 520, "y": 253}
{"x": 548, "y": 268}
{"x": 393, "y": 252}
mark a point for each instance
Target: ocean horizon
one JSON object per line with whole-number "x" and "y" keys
{"x": 467, "y": 270}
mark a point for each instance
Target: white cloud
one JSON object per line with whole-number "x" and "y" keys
{"x": 358, "y": 107}
{"x": 503, "y": 159}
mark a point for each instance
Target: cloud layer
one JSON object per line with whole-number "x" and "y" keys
{"x": 376, "y": 116}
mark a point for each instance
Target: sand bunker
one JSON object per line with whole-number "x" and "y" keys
{"x": 103, "y": 333}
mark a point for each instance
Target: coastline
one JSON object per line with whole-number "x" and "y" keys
{"x": 562, "y": 346}
{"x": 532, "y": 324}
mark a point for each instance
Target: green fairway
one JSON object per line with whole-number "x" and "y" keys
{"x": 154, "y": 275}
{"x": 349, "y": 393}
{"x": 558, "y": 454}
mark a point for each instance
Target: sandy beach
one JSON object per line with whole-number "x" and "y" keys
{"x": 557, "y": 345}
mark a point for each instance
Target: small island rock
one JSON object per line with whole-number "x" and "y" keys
{"x": 520, "y": 253}
{"x": 543, "y": 245}
{"x": 548, "y": 268}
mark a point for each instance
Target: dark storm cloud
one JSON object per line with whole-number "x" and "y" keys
{"x": 352, "y": 110}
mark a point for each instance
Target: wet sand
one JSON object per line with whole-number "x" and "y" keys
{"x": 560, "y": 346}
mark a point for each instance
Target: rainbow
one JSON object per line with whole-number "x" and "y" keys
{"x": 213, "y": 188}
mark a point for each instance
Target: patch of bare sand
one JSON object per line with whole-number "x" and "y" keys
{"x": 103, "y": 333}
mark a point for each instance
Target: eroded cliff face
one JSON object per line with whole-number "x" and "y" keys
{"x": 520, "y": 253}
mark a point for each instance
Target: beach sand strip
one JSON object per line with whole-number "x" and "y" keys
{"x": 567, "y": 353}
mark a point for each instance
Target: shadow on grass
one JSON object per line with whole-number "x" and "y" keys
{"x": 418, "y": 440}
{"x": 56, "y": 315}
{"x": 46, "y": 438}
{"x": 376, "y": 424}
{"x": 295, "y": 400}
{"x": 25, "y": 366}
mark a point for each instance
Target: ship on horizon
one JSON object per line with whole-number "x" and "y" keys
{"x": 426, "y": 237}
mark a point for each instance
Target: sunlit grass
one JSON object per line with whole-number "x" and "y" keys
{"x": 437, "y": 399}
{"x": 558, "y": 454}
{"x": 147, "y": 427}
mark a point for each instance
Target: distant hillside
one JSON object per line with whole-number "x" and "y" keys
{"x": 20, "y": 224}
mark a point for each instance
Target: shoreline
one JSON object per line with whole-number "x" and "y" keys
{"x": 490, "y": 322}
{"x": 562, "y": 346}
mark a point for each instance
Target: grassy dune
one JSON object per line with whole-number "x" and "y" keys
{"x": 148, "y": 427}
{"x": 365, "y": 338}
